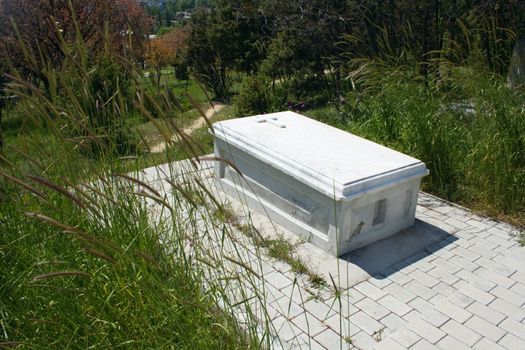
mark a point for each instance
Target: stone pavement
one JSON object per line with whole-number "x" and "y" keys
{"x": 462, "y": 288}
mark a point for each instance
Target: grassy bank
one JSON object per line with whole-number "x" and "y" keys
{"x": 468, "y": 127}
{"x": 96, "y": 266}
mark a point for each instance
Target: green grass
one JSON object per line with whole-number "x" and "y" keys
{"x": 278, "y": 247}
{"x": 123, "y": 289}
{"x": 84, "y": 268}
{"x": 180, "y": 88}
{"x": 475, "y": 159}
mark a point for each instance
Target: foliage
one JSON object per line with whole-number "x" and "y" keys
{"x": 104, "y": 284}
{"x": 166, "y": 15}
{"x": 167, "y": 50}
{"x": 83, "y": 261}
{"x": 31, "y": 35}
{"x": 221, "y": 41}
{"x": 255, "y": 96}
{"x": 470, "y": 132}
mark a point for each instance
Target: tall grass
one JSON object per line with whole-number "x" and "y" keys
{"x": 468, "y": 128}
{"x": 91, "y": 258}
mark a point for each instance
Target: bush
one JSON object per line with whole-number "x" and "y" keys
{"x": 471, "y": 136}
{"x": 257, "y": 95}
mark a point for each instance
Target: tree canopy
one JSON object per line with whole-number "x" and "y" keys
{"x": 37, "y": 28}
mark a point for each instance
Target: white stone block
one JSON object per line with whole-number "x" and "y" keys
{"x": 338, "y": 190}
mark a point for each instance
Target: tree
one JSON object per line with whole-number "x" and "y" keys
{"x": 166, "y": 50}
{"x": 222, "y": 39}
{"x": 39, "y": 27}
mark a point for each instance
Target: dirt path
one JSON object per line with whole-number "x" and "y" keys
{"x": 197, "y": 124}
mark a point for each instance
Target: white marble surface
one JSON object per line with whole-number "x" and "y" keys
{"x": 318, "y": 154}
{"x": 335, "y": 189}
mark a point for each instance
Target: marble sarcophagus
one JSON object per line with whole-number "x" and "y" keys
{"x": 337, "y": 190}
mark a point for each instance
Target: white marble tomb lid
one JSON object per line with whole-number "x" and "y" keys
{"x": 333, "y": 161}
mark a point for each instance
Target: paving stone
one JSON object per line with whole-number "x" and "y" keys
{"x": 372, "y": 308}
{"x": 301, "y": 341}
{"x": 456, "y": 223}
{"x": 518, "y": 288}
{"x": 405, "y": 266}
{"x": 485, "y": 312}
{"x": 316, "y": 345}
{"x": 447, "y": 265}
{"x": 309, "y": 324}
{"x": 370, "y": 290}
{"x": 423, "y": 345}
{"x": 285, "y": 307}
{"x": 428, "y": 312}
{"x": 508, "y": 296}
{"x": 510, "y": 341}
{"x": 444, "y": 290}
{"x": 305, "y": 342}
{"x": 482, "y": 249}
{"x": 508, "y": 309}
{"x": 460, "y": 299}
{"x": 516, "y": 252}
{"x": 485, "y": 328}
{"x": 495, "y": 277}
{"x": 478, "y": 224}
{"x": 486, "y": 344}
{"x": 499, "y": 232}
{"x": 321, "y": 310}
{"x": 412, "y": 315}
{"x": 380, "y": 281}
{"x": 500, "y": 241}
{"x": 494, "y": 265}
{"x": 352, "y": 296}
{"x": 518, "y": 276}
{"x": 393, "y": 322}
{"x": 420, "y": 290}
{"x": 453, "y": 311}
{"x": 330, "y": 340}
{"x": 449, "y": 343}
{"x": 389, "y": 344}
{"x": 466, "y": 253}
{"x": 423, "y": 264}
{"x": 405, "y": 337}
{"x": 425, "y": 330}
{"x": 443, "y": 275}
{"x": 297, "y": 293}
{"x": 278, "y": 280}
{"x": 400, "y": 292}
{"x": 457, "y": 330}
{"x": 347, "y": 309}
{"x": 365, "y": 322}
{"x": 285, "y": 329}
{"x": 474, "y": 293}
{"x": 475, "y": 280}
{"x": 512, "y": 263}
{"x": 442, "y": 253}
{"x": 462, "y": 243}
{"x": 464, "y": 263}
{"x": 514, "y": 327}
{"x": 424, "y": 278}
{"x": 363, "y": 341}
{"x": 395, "y": 305}
{"x": 341, "y": 325}
{"x": 443, "y": 208}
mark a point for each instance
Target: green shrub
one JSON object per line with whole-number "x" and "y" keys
{"x": 258, "y": 95}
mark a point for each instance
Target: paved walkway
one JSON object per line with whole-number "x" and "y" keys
{"x": 464, "y": 289}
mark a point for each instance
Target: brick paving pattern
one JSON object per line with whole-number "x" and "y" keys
{"x": 466, "y": 291}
